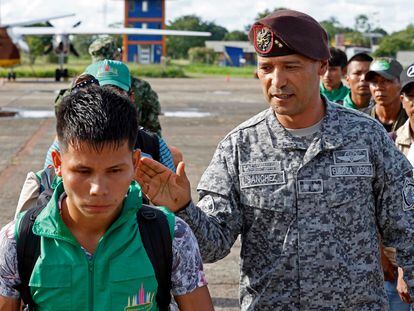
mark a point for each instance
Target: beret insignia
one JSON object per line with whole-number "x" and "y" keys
{"x": 263, "y": 39}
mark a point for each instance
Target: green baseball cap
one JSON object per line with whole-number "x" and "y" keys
{"x": 111, "y": 72}
{"x": 386, "y": 67}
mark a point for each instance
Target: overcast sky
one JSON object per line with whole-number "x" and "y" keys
{"x": 392, "y": 15}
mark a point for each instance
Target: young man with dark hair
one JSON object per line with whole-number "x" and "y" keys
{"x": 359, "y": 97}
{"x": 331, "y": 81}
{"x": 91, "y": 251}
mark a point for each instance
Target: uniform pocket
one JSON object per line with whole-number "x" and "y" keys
{"x": 51, "y": 287}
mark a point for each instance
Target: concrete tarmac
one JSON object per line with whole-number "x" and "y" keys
{"x": 197, "y": 114}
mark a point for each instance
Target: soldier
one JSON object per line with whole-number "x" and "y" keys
{"x": 331, "y": 82}
{"x": 309, "y": 186}
{"x": 145, "y": 98}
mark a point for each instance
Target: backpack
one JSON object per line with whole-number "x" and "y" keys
{"x": 148, "y": 142}
{"x": 156, "y": 238}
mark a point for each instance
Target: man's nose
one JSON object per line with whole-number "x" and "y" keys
{"x": 98, "y": 186}
{"x": 279, "y": 79}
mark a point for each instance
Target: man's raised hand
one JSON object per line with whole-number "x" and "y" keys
{"x": 162, "y": 186}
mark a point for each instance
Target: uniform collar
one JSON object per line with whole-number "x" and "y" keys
{"x": 331, "y": 130}
{"x": 49, "y": 223}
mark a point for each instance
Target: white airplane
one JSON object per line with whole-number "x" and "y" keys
{"x": 12, "y": 34}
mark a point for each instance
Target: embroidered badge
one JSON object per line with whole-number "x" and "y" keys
{"x": 343, "y": 170}
{"x": 310, "y": 186}
{"x": 260, "y": 166}
{"x": 408, "y": 194}
{"x": 263, "y": 40}
{"x": 142, "y": 301}
{"x": 351, "y": 156}
{"x": 256, "y": 179}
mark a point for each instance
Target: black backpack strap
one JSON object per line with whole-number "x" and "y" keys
{"x": 28, "y": 247}
{"x": 156, "y": 237}
{"x": 148, "y": 142}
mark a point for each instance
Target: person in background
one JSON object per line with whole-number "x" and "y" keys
{"x": 384, "y": 83}
{"x": 359, "y": 97}
{"x": 331, "y": 82}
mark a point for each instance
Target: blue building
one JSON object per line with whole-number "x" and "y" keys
{"x": 144, "y": 14}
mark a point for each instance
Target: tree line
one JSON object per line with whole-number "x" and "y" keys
{"x": 178, "y": 47}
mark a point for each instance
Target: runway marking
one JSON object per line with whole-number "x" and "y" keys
{"x": 26, "y": 149}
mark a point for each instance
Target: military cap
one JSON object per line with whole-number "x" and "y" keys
{"x": 287, "y": 32}
{"x": 104, "y": 48}
{"x": 386, "y": 67}
{"x": 407, "y": 78}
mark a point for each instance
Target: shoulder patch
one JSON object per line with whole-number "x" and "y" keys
{"x": 408, "y": 194}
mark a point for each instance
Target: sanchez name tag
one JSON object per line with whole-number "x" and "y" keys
{"x": 310, "y": 186}
{"x": 255, "y": 179}
{"x": 362, "y": 170}
{"x": 351, "y": 156}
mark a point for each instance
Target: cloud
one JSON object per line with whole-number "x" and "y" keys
{"x": 392, "y": 15}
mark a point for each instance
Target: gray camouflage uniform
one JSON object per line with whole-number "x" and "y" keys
{"x": 309, "y": 216}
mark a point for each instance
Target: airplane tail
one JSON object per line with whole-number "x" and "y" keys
{"x": 9, "y": 54}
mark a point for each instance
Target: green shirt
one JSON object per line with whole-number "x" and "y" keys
{"x": 119, "y": 276}
{"x": 336, "y": 95}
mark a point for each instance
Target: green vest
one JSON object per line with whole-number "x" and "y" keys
{"x": 336, "y": 95}
{"x": 120, "y": 275}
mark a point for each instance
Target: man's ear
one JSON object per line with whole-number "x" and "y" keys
{"x": 323, "y": 67}
{"x": 57, "y": 162}
{"x": 344, "y": 71}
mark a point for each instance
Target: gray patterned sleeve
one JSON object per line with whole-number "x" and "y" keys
{"x": 9, "y": 276}
{"x": 187, "y": 268}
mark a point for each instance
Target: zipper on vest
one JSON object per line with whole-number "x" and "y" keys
{"x": 90, "y": 270}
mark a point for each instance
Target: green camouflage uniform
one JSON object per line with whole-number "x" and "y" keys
{"x": 145, "y": 97}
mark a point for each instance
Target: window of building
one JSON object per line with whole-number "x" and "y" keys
{"x": 131, "y": 6}
{"x": 144, "y": 6}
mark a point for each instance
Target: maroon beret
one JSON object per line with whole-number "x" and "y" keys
{"x": 287, "y": 32}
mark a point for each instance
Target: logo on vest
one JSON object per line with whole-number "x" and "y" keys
{"x": 310, "y": 186}
{"x": 142, "y": 301}
{"x": 408, "y": 194}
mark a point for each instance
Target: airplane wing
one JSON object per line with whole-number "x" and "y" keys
{"x": 41, "y": 31}
{"x": 34, "y": 21}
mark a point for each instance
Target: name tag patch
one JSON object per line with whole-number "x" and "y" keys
{"x": 362, "y": 170}
{"x": 408, "y": 194}
{"x": 260, "y": 166}
{"x": 310, "y": 186}
{"x": 255, "y": 179}
{"x": 351, "y": 156}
